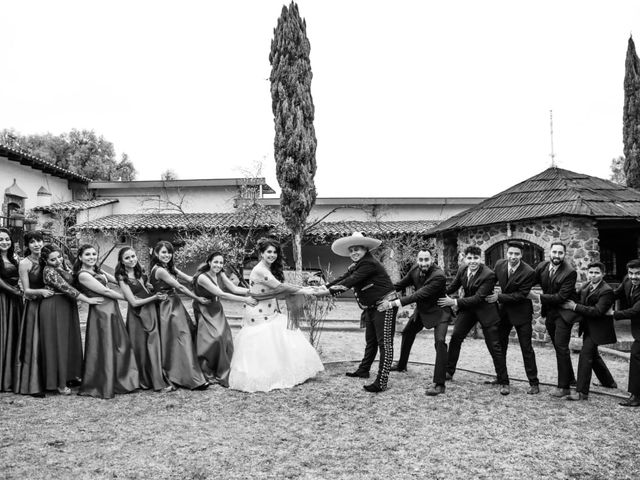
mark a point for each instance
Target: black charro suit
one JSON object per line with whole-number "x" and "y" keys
{"x": 472, "y": 309}
{"x": 556, "y": 290}
{"x": 371, "y": 284}
{"x": 429, "y": 285}
{"x": 516, "y": 311}
{"x": 630, "y": 308}
{"x": 597, "y": 329}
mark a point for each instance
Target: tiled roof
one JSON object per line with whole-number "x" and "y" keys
{"x": 551, "y": 193}
{"x": 343, "y": 228}
{"x": 25, "y": 158}
{"x": 268, "y": 219}
{"x": 76, "y": 205}
{"x": 177, "y": 221}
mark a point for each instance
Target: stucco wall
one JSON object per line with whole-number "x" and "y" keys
{"x": 30, "y": 180}
{"x": 191, "y": 199}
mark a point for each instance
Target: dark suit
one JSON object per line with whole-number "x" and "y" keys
{"x": 429, "y": 287}
{"x": 630, "y": 308}
{"x": 371, "y": 283}
{"x": 472, "y": 309}
{"x": 516, "y": 311}
{"x": 555, "y": 291}
{"x": 597, "y": 329}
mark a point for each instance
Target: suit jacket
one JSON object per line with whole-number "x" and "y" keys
{"x": 426, "y": 295}
{"x": 512, "y": 301}
{"x": 475, "y": 292}
{"x": 629, "y": 306}
{"x": 557, "y": 290}
{"x": 369, "y": 280}
{"x": 593, "y": 307}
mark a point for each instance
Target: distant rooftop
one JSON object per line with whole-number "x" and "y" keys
{"x": 25, "y": 158}
{"x": 76, "y": 205}
{"x": 387, "y": 201}
{"x": 188, "y": 183}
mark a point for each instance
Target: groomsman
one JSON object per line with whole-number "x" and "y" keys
{"x": 596, "y": 327}
{"x": 429, "y": 283}
{"x": 478, "y": 282}
{"x": 629, "y": 295}
{"x": 372, "y": 285}
{"x": 558, "y": 282}
{"x": 515, "y": 279}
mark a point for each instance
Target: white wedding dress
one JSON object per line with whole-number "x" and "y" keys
{"x": 266, "y": 354}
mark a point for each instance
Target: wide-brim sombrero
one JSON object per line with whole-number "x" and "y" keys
{"x": 341, "y": 246}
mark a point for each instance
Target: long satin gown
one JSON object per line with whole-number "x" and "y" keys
{"x": 109, "y": 364}
{"x": 179, "y": 357}
{"x": 144, "y": 333}
{"x": 214, "y": 343}
{"x": 28, "y": 375}
{"x": 267, "y": 354}
{"x": 60, "y": 340}
{"x": 10, "y": 313}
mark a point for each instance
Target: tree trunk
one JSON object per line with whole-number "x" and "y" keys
{"x": 297, "y": 252}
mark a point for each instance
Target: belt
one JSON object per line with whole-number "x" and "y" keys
{"x": 388, "y": 297}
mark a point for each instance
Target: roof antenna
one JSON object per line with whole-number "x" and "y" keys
{"x": 552, "y": 154}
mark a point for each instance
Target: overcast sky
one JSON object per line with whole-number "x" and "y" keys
{"x": 413, "y": 98}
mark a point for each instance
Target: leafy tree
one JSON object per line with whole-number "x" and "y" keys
{"x": 81, "y": 151}
{"x": 168, "y": 175}
{"x": 293, "y": 111}
{"x": 617, "y": 171}
{"x": 631, "y": 117}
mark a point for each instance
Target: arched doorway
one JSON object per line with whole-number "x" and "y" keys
{"x": 532, "y": 254}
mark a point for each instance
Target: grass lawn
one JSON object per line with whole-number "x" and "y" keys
{"x": 330, "y": 427}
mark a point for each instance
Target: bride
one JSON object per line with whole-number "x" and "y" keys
{"x": 267, "y": 354}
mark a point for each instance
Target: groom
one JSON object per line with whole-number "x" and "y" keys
{"x": 372, "y": 286}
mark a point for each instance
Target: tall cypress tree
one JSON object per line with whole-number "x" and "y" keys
{"x": 293, "y": 112}
{"x": 631, "y": 117}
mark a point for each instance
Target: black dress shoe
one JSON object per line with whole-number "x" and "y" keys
{"x": 204, "y": 386}
{"x": 396, "y": 368}
{"x": 504, "y": 389}
{"x": 357, "y": 374}
{"x": 434, "y": 390}
{"x": 613, "y": 385}
{"x": 632, "y": 401}
{"x": 373, "y": 388}
{"x": 533, "y": 390}
{"x": 492, "y": 382}
{"x": 37, "y": 395}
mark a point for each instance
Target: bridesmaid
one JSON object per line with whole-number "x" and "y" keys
{"x": 109, "y": 364}
{"x": 28, "y": 376}
{"x": 60, "y": 341}
{"x": 10, "y": 309}
{"x": 179, "y": 358}
{"x": 142, "y": 321}
{"x": 214, "y": 343}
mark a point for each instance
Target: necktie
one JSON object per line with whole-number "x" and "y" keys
{"x": 469, "y": 277}
{"x": 511, "y": 270}
{"x": 552, "y": 271}
{"x": 632, "y": 291}
{"x": 423, "y": 276}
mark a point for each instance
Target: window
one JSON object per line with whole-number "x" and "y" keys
{"x": 532, "y": 253}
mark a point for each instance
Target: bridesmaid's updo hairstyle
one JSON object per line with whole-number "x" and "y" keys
{"x": 47, "y": 250}
{"x": 120, "y": 271}
{"x": 170, "y": 266}
{"x": 277, "y": 268}
{"x": 35, "y": 235}
{"x": 11, "y": 252}
{"x": 77, "y": 265}
{"x": 206, "y": 266}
